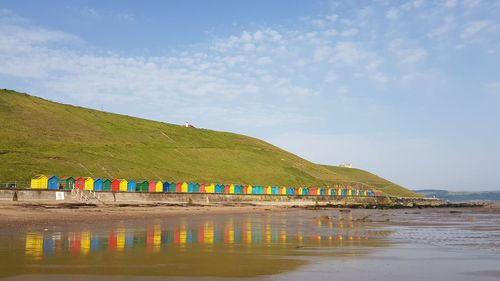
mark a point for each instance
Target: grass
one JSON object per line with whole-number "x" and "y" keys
{"x": 43, "y": 137}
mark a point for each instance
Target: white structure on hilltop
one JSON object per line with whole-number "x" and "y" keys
{"x": 345, "y": 165}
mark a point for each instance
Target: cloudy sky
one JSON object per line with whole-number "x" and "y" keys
{"x": 409, "y": 90}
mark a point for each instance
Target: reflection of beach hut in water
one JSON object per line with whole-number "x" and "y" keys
{"x": 53, "y": 182}
{"x": 131, "y": 186}
{"x": 39, "y": 182}
{"x": 98, "y": 185}
{"x": 67, "y": 182}
{"x": 142, "y": 186}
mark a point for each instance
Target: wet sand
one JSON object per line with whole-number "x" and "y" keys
{"x": 325, "y": 244}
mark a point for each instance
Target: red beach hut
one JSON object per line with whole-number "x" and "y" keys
{"x": 115, "y": 185}
{"x": 152, "y": 186}
{"x": 80, "y": 183}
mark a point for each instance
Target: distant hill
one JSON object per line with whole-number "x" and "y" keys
{"x": 43, "y": 137}
{"x": 456, "y": 196}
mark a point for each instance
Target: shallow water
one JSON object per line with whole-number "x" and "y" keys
{"x": 293, "y": 245}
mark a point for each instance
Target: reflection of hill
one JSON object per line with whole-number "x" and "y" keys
{"x": 234, "y": 246}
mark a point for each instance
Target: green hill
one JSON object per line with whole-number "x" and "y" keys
{"x": 43, "y": 137}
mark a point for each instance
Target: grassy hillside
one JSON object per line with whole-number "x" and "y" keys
{"x": 39, "y": 136}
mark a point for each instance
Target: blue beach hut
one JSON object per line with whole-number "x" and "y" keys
{"x": 131, "y": 186}
{"x": 190, "y": 187}
{"x": 53, "y": 182}
{"x": 98, "y": 185}
{"x": 166, "y": 186}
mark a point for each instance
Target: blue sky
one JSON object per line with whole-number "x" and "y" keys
{"x": 409, "y": 90}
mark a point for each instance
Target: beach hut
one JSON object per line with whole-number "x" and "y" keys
{"x": 106, "y": 185}
{"x": 268, "y": 190}
{"x": 282, "y": 190}
{"x": 115, "y": 185}
{"x": 172, "y": 187}
{"x": 231, "y": 189}
{"x": 184, "y": 187}
{"x": 152, "y": 186}
{"x": 123, "y": 185}
{"x": 53, "y": 182}
{"x": 39, "y": 181}
{"x": 274, "y": 190}
{"x": 300, "y": 191}
{"x": 190, "y": 188}
{"x": 178, "y": 187}
{"x": 88, "y": 183}
{"x": 159, "y": 186}
{"x": 202, "y": 188}
{"x": 67, "y": 182}
{"x": 142, "y": 186}
{"x": 249, "y": 189}
{"x": 210, "y": 188}
{"x": 131, "y": 186}
{"x": 197, "y": 188}
{"x": 166, "y": 186}
{"x": 98, "y": 185}
{"x": 227, "y": 188}
{"x": 80, "y": 183}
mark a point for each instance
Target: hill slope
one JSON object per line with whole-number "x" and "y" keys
{"x": 42, "y": 137}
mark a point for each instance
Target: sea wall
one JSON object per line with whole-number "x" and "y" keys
{"x": 105, "y": 197}
{"x": 182, "y": 198}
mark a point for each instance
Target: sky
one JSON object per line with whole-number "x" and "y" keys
{"x": 409, "y": 90}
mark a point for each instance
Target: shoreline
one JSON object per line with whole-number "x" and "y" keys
{"x": 18, "y": 214}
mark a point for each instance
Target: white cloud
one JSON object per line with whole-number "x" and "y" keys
{"x": 392, "y": 13}
{"x": 472, "y": 28}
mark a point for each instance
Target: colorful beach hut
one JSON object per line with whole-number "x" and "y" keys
{"x": 67, "y": 182}
{"x": 39, "y": 181}
{"x": 190, "y": 188}
{"x": 159, "y": 186}
{"x": 166, "y": 186}
{"x": 123, "y": 185}
{"x": 88, "y": 183}
{"x": 53, "y": 182}
{"x": 98, "y": 185}
{"x": 80, "y": 183}
{"x": 184, "y": 187}
{"x": 106, "y": 185}
{"x": 210, "y": 188}
{"x": 152, "y": 186}
{"x": 202, "y": 188}
{"x": 142, "y": 186}
{"x": 131, "y": 186}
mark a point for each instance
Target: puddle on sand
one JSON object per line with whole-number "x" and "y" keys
{"x": 202, "y": 246}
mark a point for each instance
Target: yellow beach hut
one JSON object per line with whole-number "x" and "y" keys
{"x": 268, "y": 190}
{"x": 249, "y": 189}
{"x": 283, "y": 190}
{"x": 210, "y": 188}
{"x": 231, "y": 189}
{"x": 184, "y": 187}
{"x": 89, "y": 183}
{"x": 123, "y": 185}
{"x": 159, "y": 186}
{"x": 39, "y": 182}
